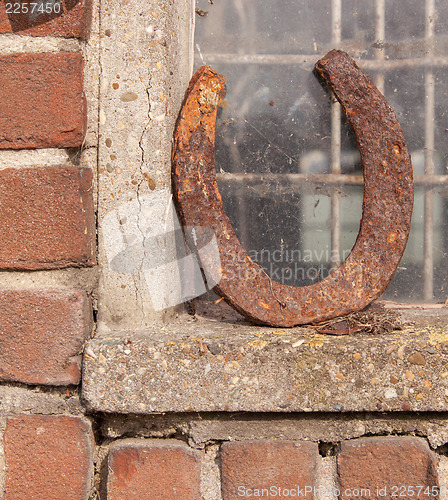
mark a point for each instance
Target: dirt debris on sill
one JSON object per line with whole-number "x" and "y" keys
{"x": 375, "y": 319}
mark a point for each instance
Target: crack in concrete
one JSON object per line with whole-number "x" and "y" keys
{"x": 138, "y": 293}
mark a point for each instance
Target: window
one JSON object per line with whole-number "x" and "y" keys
{"x": 287, "y": 162}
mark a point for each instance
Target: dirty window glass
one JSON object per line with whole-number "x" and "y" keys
{"x": 287, "y": 162}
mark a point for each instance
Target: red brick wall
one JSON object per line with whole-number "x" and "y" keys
{"x": 382, "y": 467}
{"x": 43, "y": 103}
{"x": 47, "y": 217}
{"x": 47, "y": 222}
{"x": 61, "y": 447}
{"x": 48, "y": 457}
{"x": 72, "y": 20}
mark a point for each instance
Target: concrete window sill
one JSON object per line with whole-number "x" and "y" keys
{"x": 198, "y": 366}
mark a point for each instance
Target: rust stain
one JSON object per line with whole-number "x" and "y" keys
{"x": 387, "y": 207}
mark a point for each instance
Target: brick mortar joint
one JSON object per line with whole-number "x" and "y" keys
{"x": 11, "y": 44}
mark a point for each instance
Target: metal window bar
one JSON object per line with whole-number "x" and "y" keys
{"x": 336, "y": 14}
{"x": 380, "y": 65}
{"x": 380, "y": 35}
{"x": 428, "y": 266}
{"x": 308, "y": 60}
{"x": 296, "y": 180}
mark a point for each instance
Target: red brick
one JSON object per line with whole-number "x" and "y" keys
{"x": 155, "y": 469}
{"x": 393, "y": 463}
{"x": 43, "y": 105}
{"x": 46, "y": 218}
{"x": 48, "y": 458}
{"x": 42, "y": 334}
{"x": 268, "y": 468}
{"x": 74, "y": 20}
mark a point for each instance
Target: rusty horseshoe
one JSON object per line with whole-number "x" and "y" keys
{"x": 386, "y": 214}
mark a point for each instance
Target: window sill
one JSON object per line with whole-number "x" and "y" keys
{"x": 199, "y": 366}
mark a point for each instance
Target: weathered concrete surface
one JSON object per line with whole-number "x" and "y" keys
{"x": 197, "y": 366}
{"x": 15, "y": 400}
{"x": 144, "y": 74}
